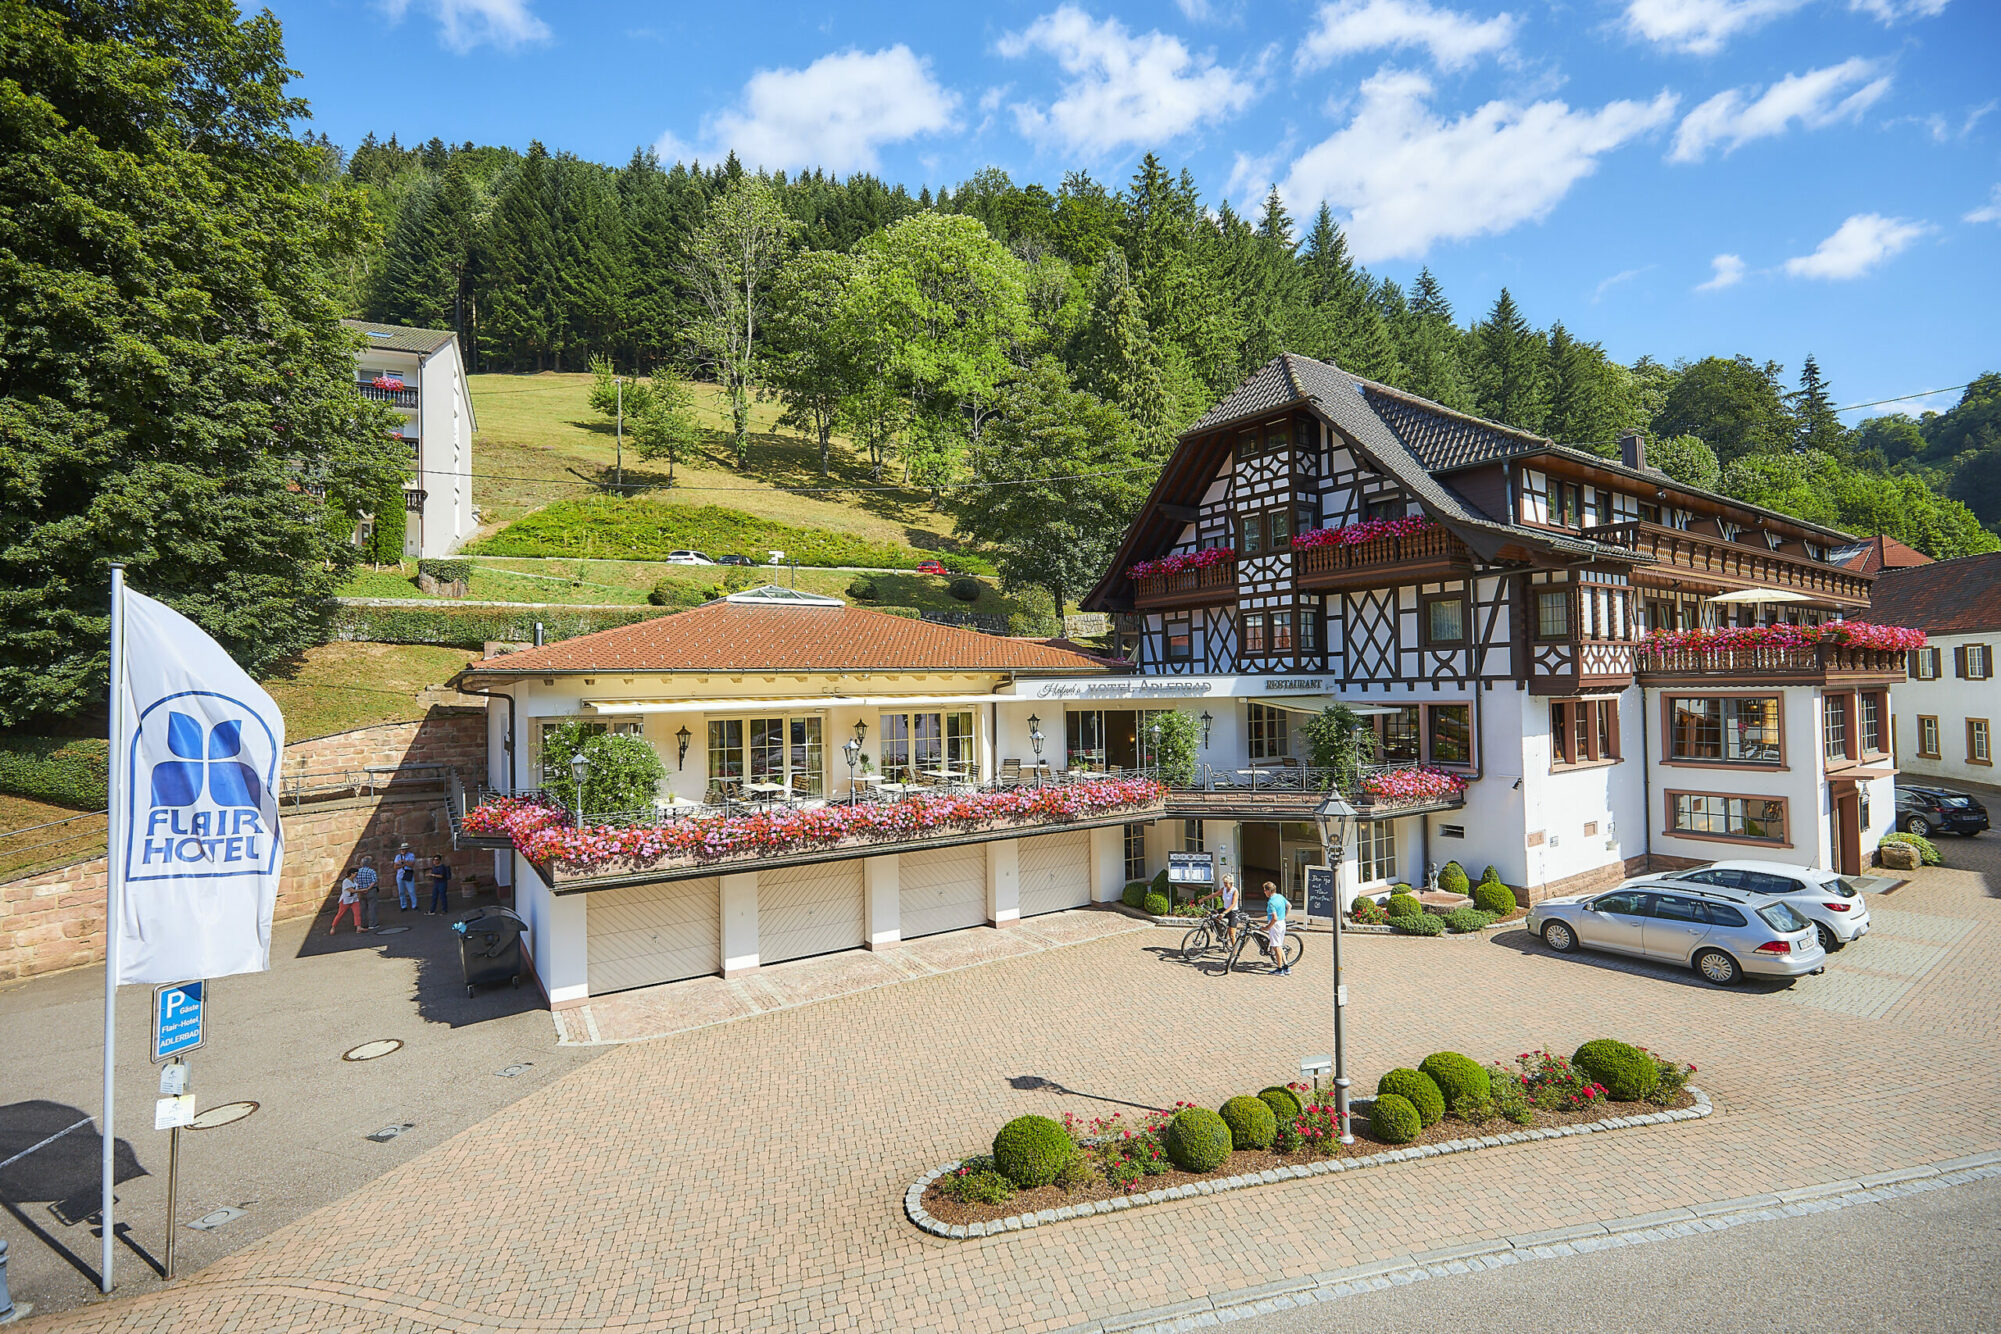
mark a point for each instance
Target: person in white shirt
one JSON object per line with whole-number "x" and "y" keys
{"x": 350, "y": 901}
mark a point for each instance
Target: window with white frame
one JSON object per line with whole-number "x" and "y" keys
{"x": 1376, "y": 849}
{"x": 1268, "y": 739}
{"x": 911, "y": 743}
{"x": 785, "y": 752}
{"x": 1191, "y": 836}
{"x": 1135, "y": 851}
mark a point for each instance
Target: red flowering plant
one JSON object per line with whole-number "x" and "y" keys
{"x": 1319, "y": 1126}
{"x": 1415, "y": 783}
{"x": 1354, "y": 534}
{"x": 1674, "y": 1078}
{"x": 1866, "y": 634}
{"x": 1126, "y": 1154}
{"x": 543, "y": 832}
{"x": 1187, "y": 560}
{"x": 388, "y": 382}
{"x": 1552, "y": 1083}
{"x": 1738, "y": 638}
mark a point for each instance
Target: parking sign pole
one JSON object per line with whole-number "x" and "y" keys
{"x": 173, "y": 1190}
{"x": 114, "y": 882}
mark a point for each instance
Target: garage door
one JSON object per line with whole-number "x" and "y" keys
{"x": 643, "y": 934}
{"x": 804, "y": 910}
{"x": 1055, "y": 873}
{"x": 942, "y": 890}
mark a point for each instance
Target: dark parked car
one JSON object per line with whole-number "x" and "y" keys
{"x": 1927, "y": 810}
{"x": 735, "y": 560}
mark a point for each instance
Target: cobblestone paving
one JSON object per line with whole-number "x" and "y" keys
{"x": 748, "y": 1175}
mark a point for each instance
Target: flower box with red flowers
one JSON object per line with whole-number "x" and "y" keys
{"x": 1354, "y": 534}
{"x": 1206, "y": 558}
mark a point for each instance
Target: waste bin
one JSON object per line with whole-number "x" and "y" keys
{"x": 490, "y": 947}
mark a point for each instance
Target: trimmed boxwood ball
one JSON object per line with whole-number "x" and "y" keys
{"x": 1494, "y": 897}
{"x": 1453, "y": 879}
{"x": 1416, "y": 1088}
{"x": 1031, "y": 1150}
{"x": 1627, "y": 1073}
{"x": 1393, "y": 1120}
{"x": 1156, "y": 904}
{"x": 1284, "y": 1103}
{"x": 1490, "y": 876}
{"x": 1252, "y": 1124}
{"x": 1458, "y": 1077}
{"x": 1196, "y": 1140}
{"x": 1135, "y": 893}
{"x": 1405, "y": 905}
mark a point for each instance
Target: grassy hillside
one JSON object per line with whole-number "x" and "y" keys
{"x": 539, "y": 441}
{"x": 339, "y": 687}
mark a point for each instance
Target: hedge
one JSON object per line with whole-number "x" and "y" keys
{"x": 472, "y": 627}
{"x": 639, "y": 528}
{"x": 455, "y": 570}
{"x": 68, "y": 771}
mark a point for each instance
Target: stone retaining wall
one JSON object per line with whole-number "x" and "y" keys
{"x": 55, "y": 919}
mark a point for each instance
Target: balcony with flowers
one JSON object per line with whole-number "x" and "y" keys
{"x": 1836, "y": 652}
{"x": 1186, "y": 579}
{"x": 387, "y": 389}
{"x": 643, "y": 847}
{"x": 1360, "y": 555}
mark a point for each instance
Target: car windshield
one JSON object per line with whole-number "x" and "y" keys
{"x": 1957, "y": 801}
{"x": 1781, "y": 917}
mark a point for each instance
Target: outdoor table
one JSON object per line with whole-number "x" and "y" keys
{"x": 767, "y": 792}
{"x": 896, "y": 789}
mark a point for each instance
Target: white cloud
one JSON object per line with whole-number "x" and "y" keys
{"x": 1857, "y": 246}
{"x": 835, "y": 113}
{"x": 1454, "y": 39}
{"x": 1988, "y": 212}
{"x": 1701, "y": 27}
{"x": 1725, "y": 271}
{"x": 1122, "y": 90}
{"x": 1891, "y": 11}
{"x": 1814, "y": 100}
{"x": 1407, "y": 178}
{"x": 1195, "y": 11}
{"x": 465, "y": 24}
{"x": 1624, "y": 276}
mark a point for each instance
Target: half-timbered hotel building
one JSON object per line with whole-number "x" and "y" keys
{"x": 1482, "y": 594}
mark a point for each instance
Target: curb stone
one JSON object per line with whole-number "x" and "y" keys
{"x": 913, "y": 1197}
{"x": 1475, "y": 1257}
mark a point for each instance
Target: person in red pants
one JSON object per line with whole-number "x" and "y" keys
{"x": 350, "y": 901}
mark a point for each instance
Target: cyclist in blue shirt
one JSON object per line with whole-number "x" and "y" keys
{"x": 1275, "y": 906}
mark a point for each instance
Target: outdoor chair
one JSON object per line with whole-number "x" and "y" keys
{"x": 1010, "y": 773}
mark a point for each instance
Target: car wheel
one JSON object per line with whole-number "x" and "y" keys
{"x": 1559, "y": 937}
{"x": 1828, "y": 940}
{"x": 1717, "y": 967}
{"x": 1917, "y": 824}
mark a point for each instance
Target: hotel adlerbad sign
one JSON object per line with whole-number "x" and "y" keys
{"x": 1175, "y": 687}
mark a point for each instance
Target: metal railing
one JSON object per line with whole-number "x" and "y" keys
{"x": 405, "y": 397}
{"x": 365, "y": 781}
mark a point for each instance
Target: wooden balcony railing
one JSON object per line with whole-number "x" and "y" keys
{"x": 1730, "y": 564}
{"x": 1434, "y": 550}
{"x": 1806, "y": 663}
{"x": 1208, "y": 583}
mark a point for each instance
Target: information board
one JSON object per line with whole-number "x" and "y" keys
{"x": 1191, "y": 868}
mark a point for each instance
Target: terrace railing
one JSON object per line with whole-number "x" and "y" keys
{"x": 1811, "y": 663}
{"x": 406, "y": 397}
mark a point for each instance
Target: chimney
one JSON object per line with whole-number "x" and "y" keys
{"x": 1633, "y": 449}
{"x": 538, "y": 634}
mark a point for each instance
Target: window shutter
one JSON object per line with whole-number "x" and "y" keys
{"x": 1959, "y": 662}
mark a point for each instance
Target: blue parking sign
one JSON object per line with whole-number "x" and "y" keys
{"x": 177, "y": 1018}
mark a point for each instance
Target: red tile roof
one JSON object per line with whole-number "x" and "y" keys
{"x": 728, "y": 636}
{"x": 1884, "y": 553}
{"x": 1946, "y": 597}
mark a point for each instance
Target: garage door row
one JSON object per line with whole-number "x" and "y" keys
{"x": 641, "y": 935}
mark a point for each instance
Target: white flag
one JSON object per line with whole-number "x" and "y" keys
{"x": 195, "y": 776}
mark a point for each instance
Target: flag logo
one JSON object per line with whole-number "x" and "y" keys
{"x": 204, "y": 766}
{"x": 178, "y": 782}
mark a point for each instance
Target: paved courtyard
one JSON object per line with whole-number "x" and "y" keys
{"x": 748, "y": 1174}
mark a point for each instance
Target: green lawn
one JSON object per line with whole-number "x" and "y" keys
{"x": 341, "y": 686}
{"x": 25, "y": 849}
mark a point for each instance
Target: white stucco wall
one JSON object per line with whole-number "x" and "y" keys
{"x": 1952, "y": 701}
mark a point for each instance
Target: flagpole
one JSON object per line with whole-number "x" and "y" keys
{"x": 114, "y": 882}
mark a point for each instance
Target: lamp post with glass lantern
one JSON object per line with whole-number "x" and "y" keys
{"x": 1334, "y": 818}
{"x": 852, "y": 749}
{"x": 580, "y": 769}
{"x": 1035, "y": 740}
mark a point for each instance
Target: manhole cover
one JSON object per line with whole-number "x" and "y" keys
{"x": 387, "y": 1133}
{"x": 519, "y": 1068}
{"x": 216, "y": 1218}
{"x": 227, "y": 1113}
{"x": 390, "y": 930}
{"x": 369, "y": 1051}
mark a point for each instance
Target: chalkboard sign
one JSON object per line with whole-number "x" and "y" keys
{"x": 1320, "y": 891}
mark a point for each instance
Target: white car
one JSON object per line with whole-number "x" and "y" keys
{"x": 688, "y": 558}
{"x": 1838, "y": 913}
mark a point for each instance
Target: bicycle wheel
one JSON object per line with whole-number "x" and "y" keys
{"x": 1237, "y": 951}
{"x": 1196, "y": 943}
{"x": 1293, "y": 949}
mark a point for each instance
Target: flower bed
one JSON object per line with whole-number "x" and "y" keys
{"x": 1191, "y": 560}
{"x": 1043, "y": 1171}
{"x": 1731, "y": 638}
{"x": 1419, "y": 783}
{"x": 1354, "y": 534}
{"x": 544, "y": 833}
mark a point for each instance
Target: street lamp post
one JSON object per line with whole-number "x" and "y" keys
{"x": 852, "y": 750}
{"x": 681, "y": 755}
{"x": 580, "y": 769}
{"x": 1035, "y": 740}
{"x": 1334, "y": 817}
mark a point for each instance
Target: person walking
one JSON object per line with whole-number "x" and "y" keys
{"x": 366, "y": 880}
{"x": 1275, "y": 906}
{"x": 441, "y": 885}
{"x": 406, "y": 879}
{"x": 350, "y": 901}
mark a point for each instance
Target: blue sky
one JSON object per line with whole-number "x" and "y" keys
{"x": 1680, "y": 177}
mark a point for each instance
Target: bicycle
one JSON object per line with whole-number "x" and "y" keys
{"x": 1293, "y": 947}
{"x": 1217, "y": 927}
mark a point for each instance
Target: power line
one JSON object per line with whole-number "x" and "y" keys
{"x": 779, "y": 490}
{"x": 1905, "y": 398}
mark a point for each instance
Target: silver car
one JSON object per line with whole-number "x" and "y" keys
{"x": 1722, "y": 934}
{"x": 1839, "y": 914}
